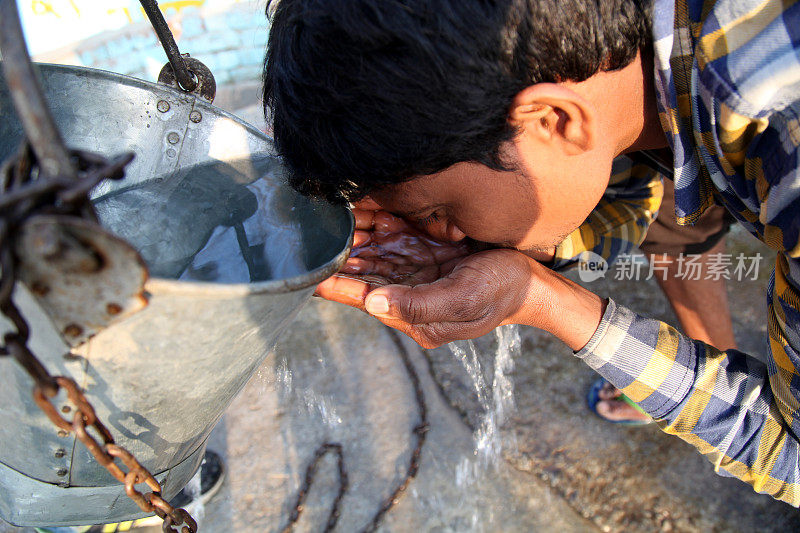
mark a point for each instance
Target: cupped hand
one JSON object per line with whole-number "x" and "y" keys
{"x": 394, "y": 251}
{"x": 464, "y": 300}
{"x": 437, "y": 292}
{"x": 388, "y": 250}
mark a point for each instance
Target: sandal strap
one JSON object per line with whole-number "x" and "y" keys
{"x": 633, "y": 404}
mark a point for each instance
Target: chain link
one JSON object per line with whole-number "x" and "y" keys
{"x": 311, "y": 470}
{"x": 22, "y": 196}
{"x": 390, "y": 501}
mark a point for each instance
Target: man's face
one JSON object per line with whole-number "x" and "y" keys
{"x": 531, "y": 209}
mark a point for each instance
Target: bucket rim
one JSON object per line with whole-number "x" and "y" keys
{"x": 145, "y": 84}
{"x": 156, "y": 285}
{"x": 275, "y": 286}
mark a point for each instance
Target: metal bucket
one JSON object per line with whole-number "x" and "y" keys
{"x": 205, "y": 203}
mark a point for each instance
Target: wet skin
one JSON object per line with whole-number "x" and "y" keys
{"x": 437, "y": 291}
{"x": 398, "y": 252}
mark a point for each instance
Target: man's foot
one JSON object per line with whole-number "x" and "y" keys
{"x": 609, "y": 403}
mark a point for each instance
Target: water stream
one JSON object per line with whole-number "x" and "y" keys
{"x": 474, "y": 475}
{"x": 497, "y": 404}
{"x": 497, "y": 400}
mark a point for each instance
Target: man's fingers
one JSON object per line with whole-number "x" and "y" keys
{"x": 345, "y": 290}
{"x": 360, "y": 238}
{"x": 379, "y": 221}
{"x": 357, "y": 265}
{"x": 385, "y": 222}
{"x": 441, "y": 301}
{"x": 365, "y": 219}
{"x": 361, "y": 266}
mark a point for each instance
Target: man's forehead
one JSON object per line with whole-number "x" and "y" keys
{"x": 409, "y": 197}
{"x": 447, "y": 187}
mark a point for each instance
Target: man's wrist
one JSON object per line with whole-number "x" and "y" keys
{"x": 562, "y": 307}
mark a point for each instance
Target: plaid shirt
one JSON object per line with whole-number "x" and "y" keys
{"x": 728, "y": 84}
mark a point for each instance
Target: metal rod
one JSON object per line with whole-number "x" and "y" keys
{"x": 182, "y": 74}
{"x": 28, "y": 98}
{"x": 244, "y": 246}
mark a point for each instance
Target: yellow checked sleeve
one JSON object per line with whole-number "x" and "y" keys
{"x": 741, "y": 413}
{"x": 721, "y": 402}
{"x": 620, "y": 220}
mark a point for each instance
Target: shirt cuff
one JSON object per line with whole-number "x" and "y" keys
{"x": 648, "y": 360}
{"x": 599, "y": 333}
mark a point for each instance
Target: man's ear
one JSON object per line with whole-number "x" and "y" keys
{"x": 554, "y": 114}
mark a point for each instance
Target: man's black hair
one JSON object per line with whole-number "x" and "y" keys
{"x": 367, "y": 93}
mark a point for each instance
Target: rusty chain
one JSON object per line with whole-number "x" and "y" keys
{"x": 420, "y": 430}
{"x": 311, "y": 471}
{"x": 23, "y": 196}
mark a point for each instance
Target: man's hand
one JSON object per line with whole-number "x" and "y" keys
{"x": 437, "y": 292}
{"x": 387, "y": 250}
{"x": 481, "y": 292}
{"x": 389, "y": 247}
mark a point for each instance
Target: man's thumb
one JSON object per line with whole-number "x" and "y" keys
{"x": 420, "y": 304}
{"x": 377, "y": 303}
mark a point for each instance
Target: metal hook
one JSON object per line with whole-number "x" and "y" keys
{"x": 184, "y": 76}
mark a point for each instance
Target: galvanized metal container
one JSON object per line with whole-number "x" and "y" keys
{"x": 161, "y": 378}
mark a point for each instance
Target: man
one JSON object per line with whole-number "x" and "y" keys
{"x": 500, "y": 122}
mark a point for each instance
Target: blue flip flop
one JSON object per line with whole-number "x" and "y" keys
{"x": 593, "y": 397}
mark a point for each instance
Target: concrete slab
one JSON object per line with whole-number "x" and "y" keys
{"x": 353, "y": 389}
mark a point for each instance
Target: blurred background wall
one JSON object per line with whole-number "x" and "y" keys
{"x": 229, "y": 36}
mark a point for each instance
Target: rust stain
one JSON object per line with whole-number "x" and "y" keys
{"x": 39, "y": 288}
{"x": 73, "y": 330}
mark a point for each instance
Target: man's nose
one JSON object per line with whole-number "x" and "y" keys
{"x": 444, "y": 230}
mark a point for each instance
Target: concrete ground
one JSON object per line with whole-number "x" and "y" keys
{"x": 338, "y": 376}
{"x": 562, "y": 469}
